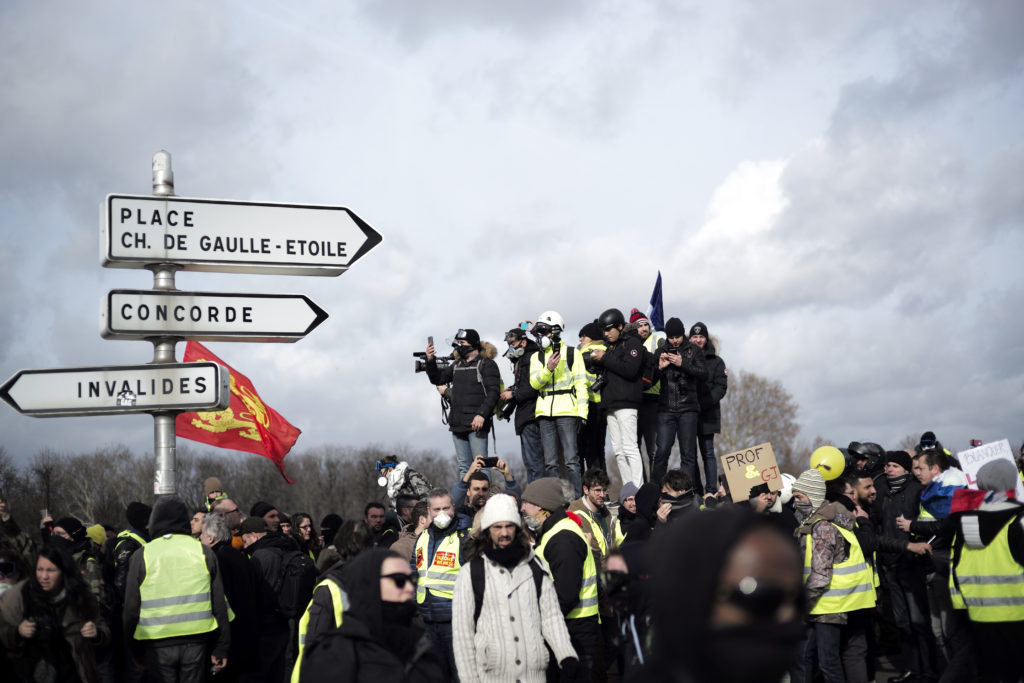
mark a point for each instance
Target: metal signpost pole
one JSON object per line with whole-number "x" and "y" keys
{"x": 164, "y": 435}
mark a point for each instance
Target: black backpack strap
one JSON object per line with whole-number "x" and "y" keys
{"x": 476, "y": 574}
{"x": 538, "y": 577}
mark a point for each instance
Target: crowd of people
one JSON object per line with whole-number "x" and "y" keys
{"x": 867, "y": 554}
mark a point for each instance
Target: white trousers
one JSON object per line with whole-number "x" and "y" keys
{"x": 622, "y": 430}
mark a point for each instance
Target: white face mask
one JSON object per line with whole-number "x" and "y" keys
{"x": 442, "y": 520}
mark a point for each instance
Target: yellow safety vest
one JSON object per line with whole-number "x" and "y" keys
{"x": 617, "y": 531}
{"x": 852, "y": 586}
{"x": 592, "y": 396}
{"x": 991, "y": 582}
{"x": 595, "y": 529}
{"x": 587, "y": 606}
{"x": 339, "y": 601}
{"x": 438, "y": 575}
{"x": 175, "y": 595}
{"x": 562, "y": 393}
{"x": 924, "y": 514}
{"x": 651, "y": 344}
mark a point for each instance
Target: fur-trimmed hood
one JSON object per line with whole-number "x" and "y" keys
{"x": 487, "y": 350}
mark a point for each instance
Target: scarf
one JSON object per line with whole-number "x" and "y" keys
{"x": 896, "y": 484}
{"x": 506, "y": 557}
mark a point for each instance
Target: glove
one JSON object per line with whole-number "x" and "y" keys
{"x": 571, "y": 671}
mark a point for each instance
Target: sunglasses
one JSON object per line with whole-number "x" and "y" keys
{"x": 760, "y": 601}
{"x": 401, "y": 579}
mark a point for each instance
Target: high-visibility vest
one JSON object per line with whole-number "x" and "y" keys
{"x": 651, "y": 344}
{"x": 339, "y": 602}
{"x": 852, "y": 586}
{"x": 128, "y": 533}
{"x": 562, "y": 392}
{"x": 437, "y": 574}
{"x": 175, "y": 595}
{"x": 925, "y": 515}
{"x": 595, "y": 529}
{"x": 587, "y": 606}
{"x": 618, "y": 532}
{"x": 990, "y": 580}
{"x": 592, "y": 396}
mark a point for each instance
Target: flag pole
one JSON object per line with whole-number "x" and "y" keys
{"x": 164, "y": 437}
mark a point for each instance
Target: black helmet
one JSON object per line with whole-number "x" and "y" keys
{"x": 612, "y": 316}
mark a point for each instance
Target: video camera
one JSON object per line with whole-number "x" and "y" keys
{"x": 421, "y": 361}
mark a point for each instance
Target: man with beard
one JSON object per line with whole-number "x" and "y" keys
{"x": 524, "y": 396}
{"x": 475, "y": 488}
{"x": 563, "y": 546}
{"x": 439, "y": 554}
{"x": 374, "y": 516}
{"x": 500, "y": 630}
{"x": 594, "y": 514}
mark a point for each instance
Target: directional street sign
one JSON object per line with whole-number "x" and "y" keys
{"x": 119, "y": 389}
{"x": 227, "y": 236}
{"x": 208, "y": 316}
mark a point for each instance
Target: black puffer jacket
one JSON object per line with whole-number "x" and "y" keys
{"x": 892, "y": 542}
{"x": 711, "y": 390}
{"x": 623, "y": 364}
{"x": 524, "y": 395}
{"x": 680, "y": 384}
{"x": 475, "y": 386}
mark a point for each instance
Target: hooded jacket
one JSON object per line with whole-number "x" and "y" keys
{"x": 623, "y": 366}
{"x": 711, "y": 390}
{"x": 475, "y": 386}
{"x": 170, "y": 516}
{"x": 680, "y": 385}
{"x": 367, "y": 646}
{"x": 828, "y": 548}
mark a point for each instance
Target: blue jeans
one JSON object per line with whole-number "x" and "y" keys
{"x": 468, "y": 445}
{"x": 555, "y": 430}
{"x": 533, "y": 451}
{"x": 706, "y": 444}
{"x": 671, "y": 426}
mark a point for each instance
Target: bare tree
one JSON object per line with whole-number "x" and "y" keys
{"x": 758, "y": 410}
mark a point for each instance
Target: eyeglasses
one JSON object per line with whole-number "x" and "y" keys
{"x": 401, "y": 579}
{"x": 758, "y": 599}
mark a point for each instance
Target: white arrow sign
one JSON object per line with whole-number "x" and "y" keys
{"x": 208, "y": 316}
{"x": 227, "y": 236}
{"x": 117, "y": 390}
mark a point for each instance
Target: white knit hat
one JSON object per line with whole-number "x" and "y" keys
{"x": 501, "y": 507}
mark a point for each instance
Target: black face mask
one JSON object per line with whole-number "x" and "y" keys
{"x": 768, "y": 651}
{"x": 398, "y": 613}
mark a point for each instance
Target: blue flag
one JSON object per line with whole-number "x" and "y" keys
{"x": 657, "y": 309}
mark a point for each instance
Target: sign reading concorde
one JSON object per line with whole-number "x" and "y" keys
{"x": 119, "y": 389}
{"x": 228, "y": 236}
{"x": 208, "y": 316}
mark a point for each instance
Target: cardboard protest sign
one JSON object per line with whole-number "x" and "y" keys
{"x": 748, "y": 468}
{"x": 971, "y": 461}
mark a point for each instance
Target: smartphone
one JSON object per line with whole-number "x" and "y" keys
{"x": 490, "y": 462}
{"x": 430, "y": 340}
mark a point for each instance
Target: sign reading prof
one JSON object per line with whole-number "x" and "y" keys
{"x": 749, "y": 468}
{"x": 119, "y": 389}
{"x": 228, "y": 236}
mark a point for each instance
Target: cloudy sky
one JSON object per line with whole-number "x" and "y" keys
{"x": 834, "y": 188}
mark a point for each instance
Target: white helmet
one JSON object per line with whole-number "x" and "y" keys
{"x": 785, "y": 493}
{"x": 551, "y": 319}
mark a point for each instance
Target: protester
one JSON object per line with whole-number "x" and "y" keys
{"x": 378, "y": 641}
{"x": 626, "y": 514}
{"x": 374, "y": 515}
{"x": 740, "y": 621}
{"x": 594, "y": 431}
{"x": 51, "y": 624}
{"x": 213, "y": 491}
{"x": 269, "y": 513}
{"x": 12, "y": 536}
{"x": 474, "y": 488}
{"x": 406, "y": 543}
{"x": 402, "y": 479}
{"x": 595, "y": 518}
{"x": 503, "y": 629}
{"x": 682, "y": 369}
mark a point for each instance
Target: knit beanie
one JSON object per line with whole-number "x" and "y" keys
{"x": 500, "y": 507}
{"x": 330, "y": 525}
{"x": 546, "y": 493}
{"x": 591, "y": 330}
{"x": 259, "y": 508}
{"x": 811, "y": 484}
{"x": 699, "y": 328}
{"x": 138, "y": 514}
{"x": 901, "y": 458}
{"x": 97, "y": 534}
{"x": 212, "y": 484}
{"x": 998, "y": 475}
{"x": 71, "y": 525}
{"x": 636, "y": 316}
{"x": 674, "y": 327}
{"x": 629, "y": 490}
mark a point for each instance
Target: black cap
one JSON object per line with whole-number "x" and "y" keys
{"x": 674, "y": 327}
{"x": 699, "y": 328}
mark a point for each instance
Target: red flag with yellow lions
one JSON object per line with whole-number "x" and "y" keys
{"x": 248, "y": 424}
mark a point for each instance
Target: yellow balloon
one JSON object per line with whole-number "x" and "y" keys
{"x": 829, "y": 461}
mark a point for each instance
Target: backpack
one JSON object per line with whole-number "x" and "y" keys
{"x": 295, "y": 582}
{"x": 476, "y": 574}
